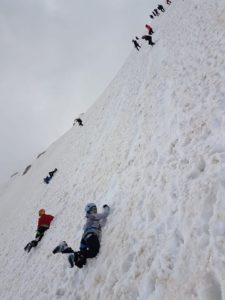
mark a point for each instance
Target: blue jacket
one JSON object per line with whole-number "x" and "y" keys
{"x": 93, "y": 225}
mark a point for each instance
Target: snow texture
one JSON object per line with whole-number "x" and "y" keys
{"x": 153, "y": 148}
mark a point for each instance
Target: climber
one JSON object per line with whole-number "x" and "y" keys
{"x": 44, "y": 222}
{"x": 51, "y": 174}
{"x": 149, "y": 39}
{"x": 79, "y": 121}
{"x": 90, "y": 241}
{"x": 160, "y": 7}
{"x": 150, "y": 30}
{"x": 136, "y": 45}
{"x": 156, "y": 12}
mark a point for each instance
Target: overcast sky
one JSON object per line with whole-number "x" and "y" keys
{"x": 56, "y": 58}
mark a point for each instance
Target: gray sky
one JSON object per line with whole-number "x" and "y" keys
{"x": 56, "y": 58}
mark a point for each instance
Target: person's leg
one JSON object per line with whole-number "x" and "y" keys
{"x": 62, "y": 248}
{"x": 40, "y": 233}
{"x": 89, "y": 249}
{"x": 93, "y": 247}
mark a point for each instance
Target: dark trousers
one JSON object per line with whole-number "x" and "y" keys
{"x": 93, "y": 247}
{"x": 39, "y": 235}
{"x": 91, "y": 250}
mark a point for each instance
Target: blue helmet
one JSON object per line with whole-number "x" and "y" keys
{"x": 91, "y": 208}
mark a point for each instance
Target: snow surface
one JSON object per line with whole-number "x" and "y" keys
{"x": 153, "y": 148}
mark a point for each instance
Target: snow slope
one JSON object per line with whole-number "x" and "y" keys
{"x": 153, "y": 148}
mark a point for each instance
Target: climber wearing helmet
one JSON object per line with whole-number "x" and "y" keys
{"x": 44, "y": 222}
{"x": 91, "y": 238}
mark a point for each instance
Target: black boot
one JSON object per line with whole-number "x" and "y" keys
{"x": 60, "y": 248}
{"x": 28, "y": 247}
{"x": 80, "y": 259}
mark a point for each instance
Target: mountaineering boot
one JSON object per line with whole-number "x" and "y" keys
{"x": 60, "y": 248}
{"x": 79, "y": 259}
{"x": 71, "y": 257}
{"x": 28, "y": 247}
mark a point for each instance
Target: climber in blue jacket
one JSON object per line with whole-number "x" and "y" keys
{"x": 91, "y": 238}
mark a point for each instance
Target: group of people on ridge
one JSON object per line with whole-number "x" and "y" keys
{"x": 90, "y": 241}
{"x": 148, "y": 37}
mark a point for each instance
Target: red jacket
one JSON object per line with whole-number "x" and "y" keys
{"x": 148, "y": 26}
{"x": 45, "y": 221}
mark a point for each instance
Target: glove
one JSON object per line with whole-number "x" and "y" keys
{"x": 105, "y": 205}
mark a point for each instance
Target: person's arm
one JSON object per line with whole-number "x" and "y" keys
{"x": 102, "y": 215}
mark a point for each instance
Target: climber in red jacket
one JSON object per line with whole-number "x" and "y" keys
{"x": 44, "y": 222}
{"x": 150, "y": 30}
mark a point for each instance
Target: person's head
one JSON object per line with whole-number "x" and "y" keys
{"x": 91, "y": 208}
{"x": 41, "y": 212}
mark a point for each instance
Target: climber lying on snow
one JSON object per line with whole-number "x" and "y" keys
{"x": 90, "y": 241}
{"x": 44, "y": 222}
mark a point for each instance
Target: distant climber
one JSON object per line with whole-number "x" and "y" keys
{"x": 90, "y": 241}
{"x": 156, "y": 12}
{"x": 150, "y": 30}
{"x": 44, "y": 222}
{"x": 149, "y": 39}
{"x": 151, "y": 16}
{"x": 160, "y": 7}
{"x": 168, "y": 2}
{"x": 51, "y": 174}
{"x": 79, "y": 121}
{"x": 136, "y": 45}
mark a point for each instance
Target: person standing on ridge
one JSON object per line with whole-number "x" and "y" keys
{"x": 156, "y": 12}
{"x": 44, "y": 222}
{"x": 150, "y": 30}
{"x": 168, "y": 2}
{"x": 149, "y": 39}
{"x": 79, "y": 121}
{"x": 136, "y": 45}
{"x": 151, "y": 16}
{"x": 160, "y": 7}
{"x": 90, "y": 241}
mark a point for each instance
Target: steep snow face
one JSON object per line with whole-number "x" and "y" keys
{"x": 153, "y": 148}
